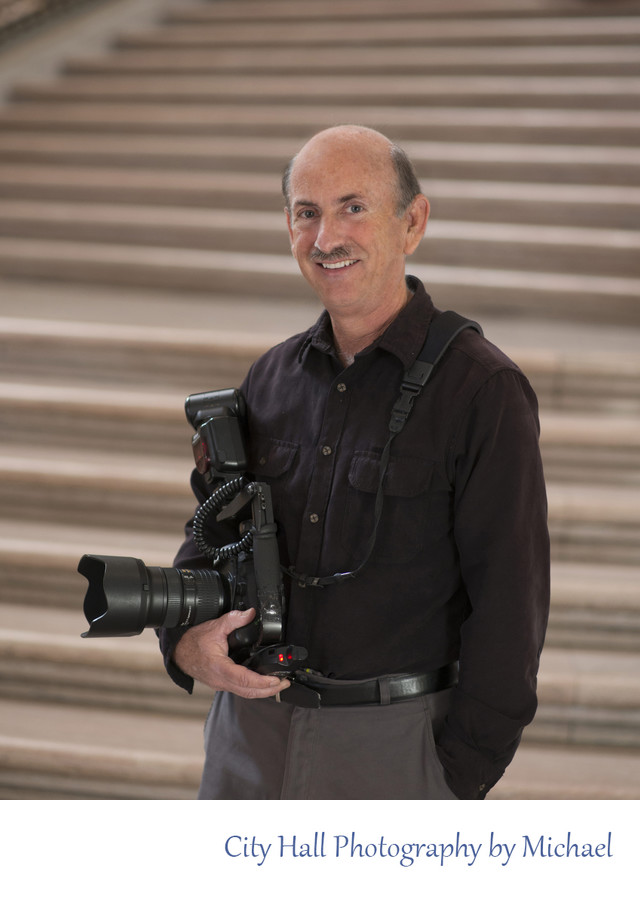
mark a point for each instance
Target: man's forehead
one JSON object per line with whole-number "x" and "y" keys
{"x": 340, "y": 181}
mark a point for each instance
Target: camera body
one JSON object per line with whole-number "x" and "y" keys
{"x": 125, "y": 596}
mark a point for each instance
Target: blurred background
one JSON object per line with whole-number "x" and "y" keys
{"x": 144, "y": 256}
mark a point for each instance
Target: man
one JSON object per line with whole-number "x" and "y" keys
{"x": 459, "y": 570}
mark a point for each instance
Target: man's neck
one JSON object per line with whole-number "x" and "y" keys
{"x": 353, "y": 334}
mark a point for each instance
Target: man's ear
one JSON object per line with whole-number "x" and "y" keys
{"x": 289, "y": 228}
{"x": 417, "y": 215}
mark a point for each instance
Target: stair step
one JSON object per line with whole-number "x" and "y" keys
{"x": 189, "y": 359}
{"x": 44, "y": 659}
{"x": 594, "y": 606}
{"x": 551, "y": 773}
{"x": 574, "y": 205}
{"x": 408, "y": 59}
{"x": 590, "y": 449}
{"x": 587, "y": 522}
{"x": 586, "y": 697}
{"x": 211, "y": 354}
{"x": 600, "y": 127}
{"x": 553, "y": 294}
{"x": 135, "y": 186}
{"x": 462, "y": 31}
{"x": 76, "y": 767}
{"x": 90, "y": 419}
{"x": 58, "y": 751}
{"x": 579, "y": 448}
{"x": 40, "y": 564}
{"x": 252, "y": 10}
{"x": 549, "y": 92}
{"x": 594, "y": 523}
{"x": 97, "y": 489}
{"x": 433, "y": 160}
{"x": 532, "y": 247}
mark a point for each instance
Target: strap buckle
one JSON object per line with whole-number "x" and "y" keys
{"x": 402, "y": 408}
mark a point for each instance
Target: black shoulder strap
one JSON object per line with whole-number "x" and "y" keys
{"x": 444, "y": 328}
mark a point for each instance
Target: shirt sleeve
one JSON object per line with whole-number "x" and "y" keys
{"x": 500, "y": 521}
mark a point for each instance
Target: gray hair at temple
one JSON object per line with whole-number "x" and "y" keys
{"x": 407, "y": 183}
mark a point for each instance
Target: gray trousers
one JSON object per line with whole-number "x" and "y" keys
{"x": 262, "y": 749}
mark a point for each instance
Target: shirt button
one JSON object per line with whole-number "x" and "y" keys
{"x": 326, "y": 450}
{"x": 341, "y": 388}
{"x": 314, "y": 518}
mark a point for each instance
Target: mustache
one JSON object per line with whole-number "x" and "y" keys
{"x": 341, "y": 252}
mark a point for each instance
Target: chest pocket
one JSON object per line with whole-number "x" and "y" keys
{"x": 272, "y": 458}
{"x": 401, "y": 532}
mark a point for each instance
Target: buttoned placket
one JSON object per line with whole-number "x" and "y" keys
{"x": 312, "y": 528}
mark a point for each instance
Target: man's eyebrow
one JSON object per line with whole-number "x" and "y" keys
{"x": 343, "y": 199}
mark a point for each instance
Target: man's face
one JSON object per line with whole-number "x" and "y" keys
{"x": 345, "y": 233}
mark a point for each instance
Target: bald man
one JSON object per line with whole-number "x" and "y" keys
{"x": 424, "y": 658}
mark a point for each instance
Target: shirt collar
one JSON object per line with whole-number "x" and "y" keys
{"x": 403, "y": 338}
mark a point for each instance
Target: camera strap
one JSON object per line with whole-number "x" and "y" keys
{"x": 443, "y": 330}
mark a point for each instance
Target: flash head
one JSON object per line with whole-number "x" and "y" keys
{"x": 218, "y": 444}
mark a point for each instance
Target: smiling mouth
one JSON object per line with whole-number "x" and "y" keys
{"x": 331, "y": 266}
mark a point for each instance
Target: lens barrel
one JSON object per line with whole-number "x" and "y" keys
{"x": 125, "y": 596}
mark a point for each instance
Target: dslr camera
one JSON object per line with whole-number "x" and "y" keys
{"x": 124, "y": 595}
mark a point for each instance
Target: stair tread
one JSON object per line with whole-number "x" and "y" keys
{"x": 64, "y": 544}
{"x": 98, "y": 731}
{"x": 561, "y": 427}
{"x": 173, "y": 117}
{"x": 545, "y": 772}
{"x": 585, "y": 584}
{"x": 224, "y": 10}
{"x": 99, "y": 313}
{"x": 81, "y": 464}
{"x": 573, "y": 582}
{"x": 239, "y": 183}
{"x": 115, "y": 744}
{"x": 344, "y": 88}
{"x": 169, "y": 218}
{"x": 431, "y": 30}
{"x": 593, "y": 354}
{"x": 496, "y": 58}
{"x": 193, "y": 261}
{"x": 274, "y": 149}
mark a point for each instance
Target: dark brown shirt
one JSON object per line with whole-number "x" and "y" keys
{"x": 460, "y": 568}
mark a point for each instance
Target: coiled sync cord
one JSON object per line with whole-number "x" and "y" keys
{"x": 214, "y": 504}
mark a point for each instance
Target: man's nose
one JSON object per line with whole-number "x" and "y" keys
{"x": 330, "y": 235}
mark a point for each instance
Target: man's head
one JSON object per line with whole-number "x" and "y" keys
{"x": 354, "y": 212}
{"x": 407, "y": 184}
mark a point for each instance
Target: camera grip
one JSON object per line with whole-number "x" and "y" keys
{"x": 242, "y": 639}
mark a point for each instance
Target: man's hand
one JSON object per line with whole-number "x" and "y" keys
{"x": 203, "y": 653}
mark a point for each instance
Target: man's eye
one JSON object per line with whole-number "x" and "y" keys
{"x": 306, "y": 213}
{"x": 355, "y": 208}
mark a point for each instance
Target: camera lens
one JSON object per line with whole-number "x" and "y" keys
{"x": 124, "y": 595}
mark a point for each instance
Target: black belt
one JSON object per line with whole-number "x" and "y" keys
{"x": 308, "y": 691}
